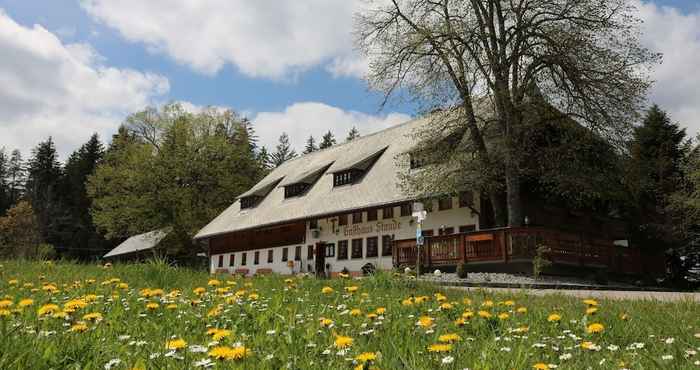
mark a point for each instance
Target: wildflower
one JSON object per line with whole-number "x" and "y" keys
{"x": 355, "y": 312}
{"x": 521, "y": 310}
{"x": 503, "y": 316}
{"x": 6, "y": 303}
{"x": 485, "y": 314}
{"x": 351, "y": 289}
{"x": 667, "y": 357}
{"x": 438, "y": 348}
{"x": 213, "y": 282}
{"x": 371, "y": 316}
{"x": 591, "y": 311}
{"x": 253, "y": 296}
{"x": 540, "y": 366}
{"x": 380, "y": 310}
{"x": 449, "y": 338}
{"x": 624, "y": 317}
{"x": 460, "y": 322}
{"x": 425, "y": 321}
{"x": 95, "y": 317}
{"x": 467, "y": 315}
{"x": 48, "y": 309}
{"x": 407, "y": 302}
{"x": 343, "y": 341}
{"x": 74, "y": 305}
{"x": 229, "y": 353}
{"x": 175, "y": 344}
{"x": 487, "y": 303}
{"x": 171, "y": 306}
{"x": 152, "y": 306}
{"x": 13, "y": 282}
{"x": 554, "y": 317}
{"x": 218, "y": 334}
{"x": 590, "y": 302}
{"x": 446, "y": 306}
{"x": 4, "y": 312}
{"x": 366, "y": 357}
{"x": 79, "y": 327}
{"x": 326, "y": 322}
{"x": 590, "y": 346}
{"x": 595, "y": 328}
{"x": 327, "y": 290}
{"x": 421, "y": 299}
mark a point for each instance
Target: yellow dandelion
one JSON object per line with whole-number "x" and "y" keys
{"x": 590, "y": 302}
{"x": 221, "y": 334}
{"x": 591, "y": 311}
{"x": 351, "y": 289}
{"x": 152, "y": 306}
{"x": 213, "y": 282}
{"x": 407, "y": 302}
{"x": 439, "y": 348}
{"x": 6, "y": 303}
{"x": 509, "y": 303}
{"x": 487, "y": 303}
{"x": 366, "y": 357}
{"x": 48, "y": 309}
{"x": 79, "y": 327}
{"x": 446, "y": 306}
{"x": 540, "y": 366}
{"x": 343, "y": 341}
{"x": 449, "y": 338}
{"x": 371, "y": 316}
{"x": 421, "y": 299}
{"x": 460, "y": 322}
{"x": 425, "y": 321}
{"x": 624, "y": 317}
{"x": 171, "y": 306}
{"x": 555, "y": 317}
{"x": 467, "y": 315}
{"x": 380, "y": 311}
{"x": 355, "y": 312}
{"x": 175, "y": 344}
{"x": 503, "y": 316}
{"x": 326, "y": 322}
{"x": 253, "y": 296}
{"x": 5, "y": 312}
{"x": 199, "y": 290}
{"x": 521, "y": 310}
{"x": 485, "y": 314}
{"x": 94, "y": 316}
{"x": 327, "y": 290}
{"x": 595, "y": 328}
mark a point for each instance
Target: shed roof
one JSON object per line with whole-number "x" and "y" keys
{"x": 139, "y": 243}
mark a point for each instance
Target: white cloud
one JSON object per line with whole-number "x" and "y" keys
{"x": 62, "y": 90}
{"x": 677, "y": 36}
{"x": 300, "y": 120}
{"x": 262, "y": 38}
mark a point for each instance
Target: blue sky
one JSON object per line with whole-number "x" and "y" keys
{"x": 119, "y": 38}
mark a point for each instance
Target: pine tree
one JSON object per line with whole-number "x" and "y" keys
{"x": 658, "y": 154}
{"x": 353, "y": 134}
{"x": 310, "y": 145}
{"x": 42, "y": 187}
{"x": 327, "y": 141}
{"x": 263, "y": 158}
{"x": 16, "y": 176}
{"x": 283, "y": 152}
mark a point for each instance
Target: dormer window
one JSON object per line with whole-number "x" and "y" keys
{"x": 249, "y": 202}
{"x": 295, "y": 190}
{"x": 418, "y": 160}
{"x": 346, "y": 177}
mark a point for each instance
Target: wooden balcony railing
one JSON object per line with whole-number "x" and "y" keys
{"x": 507, "y": 245}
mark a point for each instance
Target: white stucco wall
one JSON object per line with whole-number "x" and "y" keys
{"x": 400, "y": 227}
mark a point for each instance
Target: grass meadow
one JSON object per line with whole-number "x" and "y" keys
{"x": 63, "y": 315}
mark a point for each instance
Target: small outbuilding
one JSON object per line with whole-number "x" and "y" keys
{"x": 138, "y": 246}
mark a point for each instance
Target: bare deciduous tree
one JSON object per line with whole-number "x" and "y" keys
{"x": 582, "y": 57}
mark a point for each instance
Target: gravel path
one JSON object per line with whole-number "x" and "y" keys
{"x": 605, "y": 294}
{"x": 502, "y": 278}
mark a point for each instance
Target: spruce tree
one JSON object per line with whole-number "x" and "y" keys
{"x": 353, "y": 134}
{"x": 42, "y": 188}
{"x": 283, "y": 151}
{"x": 16, "y": 176}
{"x": 4, "y": 186}
{"x": 310, "y": 145}
{"x": 327, "y": 141}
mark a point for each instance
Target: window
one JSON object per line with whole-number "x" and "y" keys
{"x": 297, "y": 253}
{"x": 309, "y": 252}
{"x": 346, "y": 177}
{"x": 372, "y": 246}
{"x": 357, "y": 218}
{"x": 249, "y": 202}
{"x": 405, "y": 209}
{"x": 418, "y": 159}
{"x": 330, "y": 250}
{"x": 387, "y": 212}
{"x": 387, "y": 245}
{"x": 295, "y": 190}
{"x": 342, "y": 220}
{"x": 243, "y": 258}
{"x": 447, "y": 231}
{"x": 256, "y": 258}
{"x": 285, "y": 254}
{"x": 356, "y": 248}
{"x": 342, "y": 249}
{"x": 313, "y": 224}
{"x": 428, "y": 232}
{"x": 467, "y": 228}
{"x": 231, "y": 259}
{"x": 221, "y": 260}
{"x": 466, "y": 199}
{"x": 270, "y": 256}
{"x": 445, "y": 203}
{"x": 372, "y": 215}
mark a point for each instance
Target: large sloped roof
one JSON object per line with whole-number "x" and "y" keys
{"x": 138, "y": 243}
{"x": 380, "y": 185}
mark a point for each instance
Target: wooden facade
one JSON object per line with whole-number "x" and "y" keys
{"x": 266, "y": 237}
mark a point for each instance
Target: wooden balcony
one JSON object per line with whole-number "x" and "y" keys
{"x": 518, "y": 245}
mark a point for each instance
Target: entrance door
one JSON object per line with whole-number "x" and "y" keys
{"x": 320, "y": 259}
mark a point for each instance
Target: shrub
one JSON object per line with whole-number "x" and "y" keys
{"x": 539, "y": 261}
